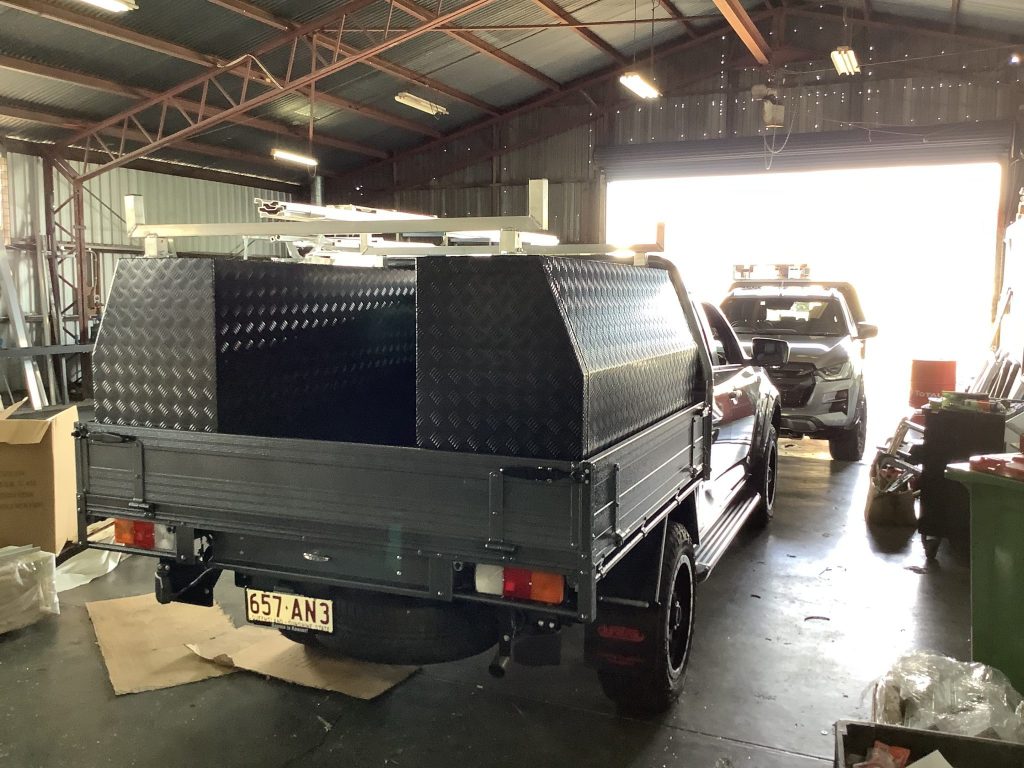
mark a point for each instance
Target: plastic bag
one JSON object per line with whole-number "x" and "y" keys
{"x": 933, "y": 692}
{"x": 28, "y": 587}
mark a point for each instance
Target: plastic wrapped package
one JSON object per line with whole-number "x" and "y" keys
{"x": 933, "y": 692}
{"x": 28, "y": 587}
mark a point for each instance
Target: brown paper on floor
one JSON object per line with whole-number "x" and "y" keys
{"x": 267, "y": 652}
{"x": 144, "y": 643}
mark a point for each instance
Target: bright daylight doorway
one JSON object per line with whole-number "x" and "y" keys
{"x": 918, "y": 242}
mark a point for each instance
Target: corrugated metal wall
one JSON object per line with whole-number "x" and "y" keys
{"x": 907, "y": 80}
{"x": 169, "y": 199}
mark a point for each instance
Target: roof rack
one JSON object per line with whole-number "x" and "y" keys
{"x": 348, "y": 231}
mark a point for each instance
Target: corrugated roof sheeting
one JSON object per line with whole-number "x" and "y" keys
{"x": 1007, "y": 15}
{"x": 629, "y": 39}
{"x": 562, "y": 54}
{"x": 59, "y": 94}
{"x": 496, "y": 83}
{"x": 27, "y": 129}
{"x": 195, "y": 24}
{"x": 503, "y": 13}
{"x": 30, "y": 37}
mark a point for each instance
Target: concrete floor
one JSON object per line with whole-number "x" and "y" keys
{"x": 792, "y": 627}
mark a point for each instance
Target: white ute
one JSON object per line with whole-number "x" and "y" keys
{"x": 822, "y": 385}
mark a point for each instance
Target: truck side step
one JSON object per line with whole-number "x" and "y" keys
{"x": 716, "y": 541}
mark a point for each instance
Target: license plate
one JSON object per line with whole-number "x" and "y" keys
{"x": 286, "y": 610}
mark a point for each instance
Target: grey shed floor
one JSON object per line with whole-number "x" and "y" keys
{"x": 766, "y": 680}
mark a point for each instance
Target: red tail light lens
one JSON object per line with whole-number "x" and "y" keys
{"x": 134, "y": 533}
{"x": 520, "y": 584}
{"x": 517, "y": 583}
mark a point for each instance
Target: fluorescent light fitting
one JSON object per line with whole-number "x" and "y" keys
{"x": 845, "y": 61}
{"x": 116, "y": 6}
{"x": 639, "y": 85}
{"x": 293, "y": 157}
{"x": 411, "y": 100}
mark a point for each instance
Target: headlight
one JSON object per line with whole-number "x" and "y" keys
{"x": 836, "y": 372}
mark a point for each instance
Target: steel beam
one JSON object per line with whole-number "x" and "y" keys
{"x": 580, "y": 84}
{"x": 670, "y": 8}
{"x": 50, "y": 244}
{"x": 954, "y": 15}
{"x": 45, "y": 149}
{"x": 255, "y": 92}
{"x": 533, "y": 27}
{"x": 559, "y": 12}
{"x": 420, "y": 13}
{"x": 77, "y": 124}
{"x": 120, "y": 89}
{"x": 254, "y": 12}
{"x": 868, "y": 9}
{"x": 124, "y": 35}
{"x": 116, "y": 32}
{"x": 745, "y": 29}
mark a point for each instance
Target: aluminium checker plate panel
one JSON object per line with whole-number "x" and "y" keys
{"x": 259, "y": 348}
{"x": 155, "y": 358}
{"x": 546, "y": 357}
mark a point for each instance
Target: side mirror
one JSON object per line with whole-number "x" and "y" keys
{"x": 768, "y": 352}
{"x": 867, "y": 330}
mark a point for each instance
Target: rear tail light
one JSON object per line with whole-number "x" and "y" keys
{"x": 142, "y": 534}
{"x": 520, "y": 584}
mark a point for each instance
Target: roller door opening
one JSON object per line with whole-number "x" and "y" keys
{"x": 918, "y": 242}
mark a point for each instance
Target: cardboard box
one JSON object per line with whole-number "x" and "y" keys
{"x": 37, "y": 480}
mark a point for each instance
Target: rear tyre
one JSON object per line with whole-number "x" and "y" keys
{"x": 764, "y": 481}
{"x": 653, "y": 685}
{"x": 849, "y": 444}
{"x": 391, "y": 629}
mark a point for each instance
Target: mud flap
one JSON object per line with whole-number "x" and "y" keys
{"x": 622, "y": 638}
{"x": 538, "y": 649}
{"x": 185, "y": 583}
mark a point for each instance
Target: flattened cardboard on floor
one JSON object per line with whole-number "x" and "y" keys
{"x": 143, "y": 642}
{"x": 37, "y": 480}
{"x": 267, "y": 652}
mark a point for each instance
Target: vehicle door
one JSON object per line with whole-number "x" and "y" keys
{"x": 729, "y": 413}
{"x": 737, "y": 384}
